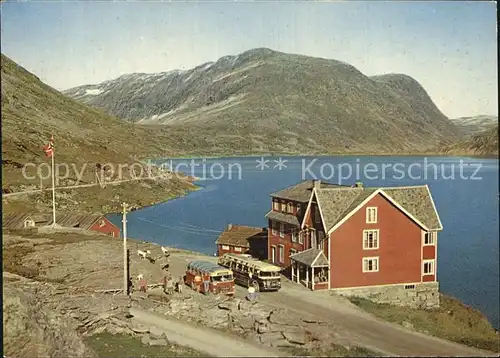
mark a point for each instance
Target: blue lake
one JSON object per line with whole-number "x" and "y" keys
{"x": 235, "y": 190}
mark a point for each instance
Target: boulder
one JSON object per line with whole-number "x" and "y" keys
{"x": 282, "y": 343}
{"x": 283, "y": 317}
{"x": 229, "y": 305}
{"x": 32, "y": 330}
{"x": 246, "y": 323}
{"x": 269, "y": 327}
{"x": 268, "y": 338}
{"x": 295, "y": 337}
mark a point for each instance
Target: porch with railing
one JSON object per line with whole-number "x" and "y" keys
{"x": 311, "y": 269}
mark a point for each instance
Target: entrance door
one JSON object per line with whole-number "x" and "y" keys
{"x": 273, "y": 254}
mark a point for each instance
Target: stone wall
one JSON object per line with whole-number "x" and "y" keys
{"x": 420, "y": 295}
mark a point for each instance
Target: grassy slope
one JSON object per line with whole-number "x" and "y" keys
{"x": 108, "y": 345}
{"x": 482, "y": 144}
{"x": 32, "y": 111}
{"x": 452, "y": 320}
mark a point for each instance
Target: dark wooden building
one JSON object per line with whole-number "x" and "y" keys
{"x": 243, "y": 240}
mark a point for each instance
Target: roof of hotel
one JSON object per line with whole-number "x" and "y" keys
{"x": 301, "y": 192}
{"x": 241, "y": 235}
{"x": 282, "y": 217}
{"x": 415, "y": 201}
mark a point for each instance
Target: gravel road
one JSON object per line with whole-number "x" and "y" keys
{"x": 204, "y": 339}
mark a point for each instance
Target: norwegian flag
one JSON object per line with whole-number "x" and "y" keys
{"x": 49, "y": 148}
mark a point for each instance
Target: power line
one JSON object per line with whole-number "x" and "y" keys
{"x": 183, "y": 230}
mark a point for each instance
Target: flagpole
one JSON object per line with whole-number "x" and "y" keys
{"x": 53, "y": 188}
{"x": 125, "y": 268}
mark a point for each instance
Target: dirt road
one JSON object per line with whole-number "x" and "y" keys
{"x": 366, "y": 330}
{"x": 205, "y": 340}
{"x": 360, "y": 327}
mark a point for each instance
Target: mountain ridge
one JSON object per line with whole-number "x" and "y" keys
{"x": 260, "y": 94}
{"x": 484, "y": 144}
{"x": 469, "y": 126}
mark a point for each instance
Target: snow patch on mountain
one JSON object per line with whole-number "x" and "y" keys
{"x": 93, "y": 92}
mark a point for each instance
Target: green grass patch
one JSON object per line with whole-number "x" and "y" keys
{"x": 121, "y": 345}
{"x": 334, "y": 350}
{"x": 453, "y": 321}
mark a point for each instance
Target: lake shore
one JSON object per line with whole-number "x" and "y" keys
{"x": 360, "y": 154}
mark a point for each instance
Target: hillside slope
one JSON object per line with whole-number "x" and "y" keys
{"x": 469, "y": 126}
{"x": 481, "y": 144}
{"x": 263, "y": 99}
{"x": 32, "y": 111}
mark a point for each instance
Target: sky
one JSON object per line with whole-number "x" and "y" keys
{"x": 449, "y": 47}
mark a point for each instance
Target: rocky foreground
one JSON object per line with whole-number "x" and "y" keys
{"x": 65, "y": 287}
{"x": 64, "y": 290}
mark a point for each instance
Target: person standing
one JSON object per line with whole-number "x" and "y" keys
{"x": 170, "y": 286}
{"x": 142, "y": 284}
{"x": 251, "y": 293}
{"x": 179, "y": 284}
{"x": 165, "y": 284}
{"x": 206, "y": 284}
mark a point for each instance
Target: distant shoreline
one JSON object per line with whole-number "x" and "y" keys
{"x": 296, "y": 155}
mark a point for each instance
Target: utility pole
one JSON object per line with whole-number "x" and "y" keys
{"x": 125, "y": 271}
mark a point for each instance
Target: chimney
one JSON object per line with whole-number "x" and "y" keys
{"x": 229, "y": 227}
{"x": 316, "y": 183}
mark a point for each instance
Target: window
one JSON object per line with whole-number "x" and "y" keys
{"x": 316, "y": 215}
{"x": 281, "y": 249}
{"x": 289, "y": 208}
{"x": 301, "y": 237}
{"x": 371, "y": 215}
{"x": 293, "y": 252}
{"x": 321, "y": 240}
{"x": 409, "y": 287}
{"x": 237, "y": 249}
{"x": 370, "y": 264}
{"x": 370, "y": 239}
{"x": 102, "y": 223}
{"x": 428, "y": 267}
{"x": 282, "y": 230}
{"x": 283, "y": 207}
{"x": 276, "y": 205}
{"x": 294, "y": 235}
{"x": 225, "y": 247}
{"x": 273, "y": 254}
{"x": 299, "y": 208}
{"x": 273, "y": 228}
{"x": 429, "y": 238}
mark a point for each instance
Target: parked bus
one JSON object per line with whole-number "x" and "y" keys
{"x": 220, "y": 279}
{"x": 249, "y": 271}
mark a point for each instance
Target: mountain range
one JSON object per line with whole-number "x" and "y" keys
{"x": 469, "y": 126}
{"x": 268, "y": 101}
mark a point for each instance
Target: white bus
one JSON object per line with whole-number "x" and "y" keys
{"x": 249, "y": 271}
